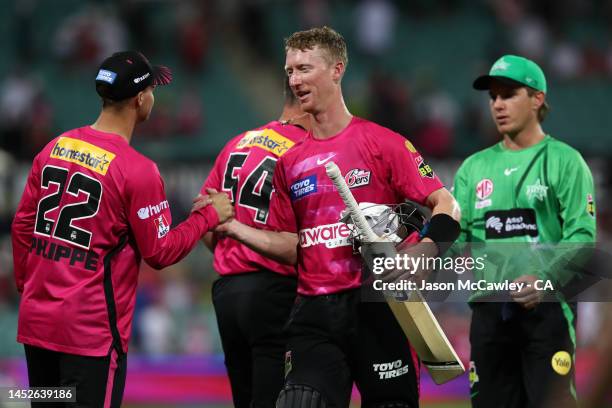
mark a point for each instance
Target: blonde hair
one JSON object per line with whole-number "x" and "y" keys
{"x": 324, "y": 37}
{"x": 544, "y": 108}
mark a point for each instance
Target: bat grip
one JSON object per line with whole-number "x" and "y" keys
{"x": 333, "y": 172}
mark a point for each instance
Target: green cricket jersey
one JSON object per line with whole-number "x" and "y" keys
{"x": 541, "y": 194}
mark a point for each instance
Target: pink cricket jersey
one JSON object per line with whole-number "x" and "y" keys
{"x": 91, "y": 209}
{"x": 244, "y": 170}
{"x": 379, "y": 165}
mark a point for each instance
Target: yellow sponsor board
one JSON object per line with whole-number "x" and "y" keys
{"x": 82, "y": 153}
{"x": 266, "y": 139}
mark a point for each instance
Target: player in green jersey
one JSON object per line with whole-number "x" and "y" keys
{"x": 528, "y": 188}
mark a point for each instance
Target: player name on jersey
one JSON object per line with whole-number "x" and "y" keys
{"x": 56, "y": 252}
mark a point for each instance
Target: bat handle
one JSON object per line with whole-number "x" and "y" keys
{"x": 333, "y": 172}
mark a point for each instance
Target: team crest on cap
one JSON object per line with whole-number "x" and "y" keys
{"x": 500, "y": 65}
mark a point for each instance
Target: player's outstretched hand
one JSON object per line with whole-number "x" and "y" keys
{"x": 200, "y": 201}
{"x": 228, "y": 229}
{"x": 528, "y": 297}
{"x": 222, "y": 204}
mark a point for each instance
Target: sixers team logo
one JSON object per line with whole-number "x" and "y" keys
{"x": 357, "y": 178}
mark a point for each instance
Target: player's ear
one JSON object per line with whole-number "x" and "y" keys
{"x": 538, "y": 100}
{"x": 140, "y": 99}
{"x": 338, "y": 71}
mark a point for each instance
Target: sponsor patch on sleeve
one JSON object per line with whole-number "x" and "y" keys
{"x": 151, "y": 210}
{"x": 82, "y": 153}
{"x": 162, "y": 226}
{"x": 424, "y": 168}
{"x": 303, "y": 187}
{"x": 591, "y": 205}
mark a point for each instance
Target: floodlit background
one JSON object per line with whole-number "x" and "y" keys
{"x": 411, "y": 65}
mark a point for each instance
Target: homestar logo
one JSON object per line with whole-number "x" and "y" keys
{"x": 266, "y": 139}
{"x": 82, "y": 153}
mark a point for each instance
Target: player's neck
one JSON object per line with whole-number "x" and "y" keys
{"x": 529, "y": 136}
{"x": 293, "y": 115}
{"x": 332, "y": 121}
{"x": 118, "y": 122}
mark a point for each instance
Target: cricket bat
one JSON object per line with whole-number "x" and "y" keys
{"x": 413, "y": 315}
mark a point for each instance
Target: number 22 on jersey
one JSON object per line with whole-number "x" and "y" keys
{"x": 62, "y": 227}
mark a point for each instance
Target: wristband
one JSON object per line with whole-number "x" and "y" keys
{"x": 443, "y": 230}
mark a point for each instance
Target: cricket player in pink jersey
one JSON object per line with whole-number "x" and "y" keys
{"x": 254, "y": 295}
{"x": 92, "y": 208}
{"x": 335, "y": 338}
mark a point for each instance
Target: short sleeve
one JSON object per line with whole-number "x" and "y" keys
{"x": 411, "y": 176}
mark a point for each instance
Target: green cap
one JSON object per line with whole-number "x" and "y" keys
{"x": 514, "y": 70}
